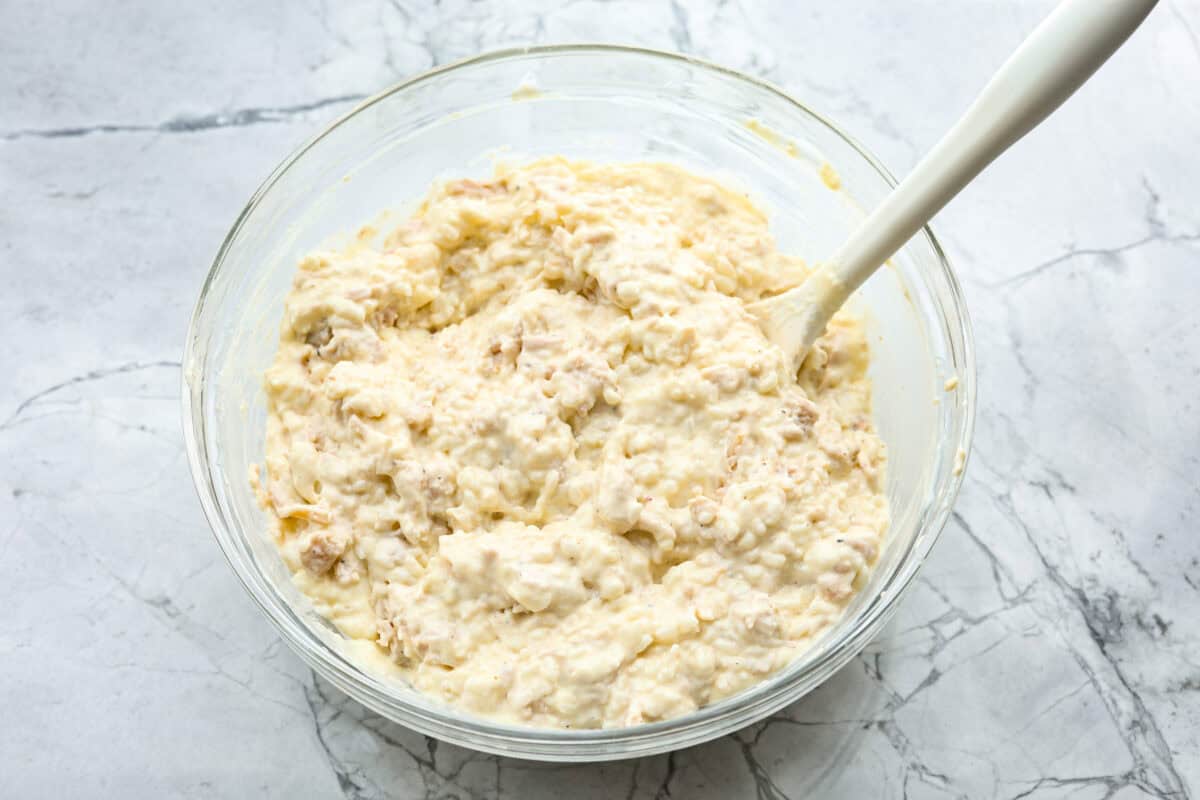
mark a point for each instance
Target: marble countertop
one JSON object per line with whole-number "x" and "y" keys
{"x": 1051, "y": 646}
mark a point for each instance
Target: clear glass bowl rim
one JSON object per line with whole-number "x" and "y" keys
{"x": 477, "y": 733}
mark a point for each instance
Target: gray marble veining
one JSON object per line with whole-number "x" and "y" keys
{"x": 1051, "y": 646}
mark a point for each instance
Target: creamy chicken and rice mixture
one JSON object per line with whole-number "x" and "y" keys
{"x": 532, "y": 446}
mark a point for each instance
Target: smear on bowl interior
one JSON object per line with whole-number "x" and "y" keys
{"x": 531, "y": 444}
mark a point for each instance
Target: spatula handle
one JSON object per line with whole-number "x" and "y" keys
{"x": 1060, "y": 54}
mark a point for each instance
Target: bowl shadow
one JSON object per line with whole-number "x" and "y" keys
{"x": 805, "y": 747}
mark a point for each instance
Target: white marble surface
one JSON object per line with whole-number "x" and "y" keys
{"x": 1051, "y": 647}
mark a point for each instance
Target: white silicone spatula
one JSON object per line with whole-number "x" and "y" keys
{"x": 1045, "y": 70}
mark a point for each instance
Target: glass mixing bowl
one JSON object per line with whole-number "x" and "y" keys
{"x": 603, "y": 103}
